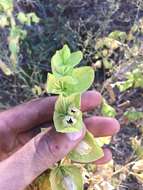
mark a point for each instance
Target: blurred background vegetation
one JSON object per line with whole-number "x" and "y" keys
{"x": 110, "y": 34}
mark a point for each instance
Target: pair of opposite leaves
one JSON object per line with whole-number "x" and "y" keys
{"x": 66, "y": 80}
{"x": 69, "y": 83}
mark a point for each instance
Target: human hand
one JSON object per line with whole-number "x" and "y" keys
{"x": 25, "y": 153}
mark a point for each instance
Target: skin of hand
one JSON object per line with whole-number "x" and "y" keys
{"x": 25, "y": 153}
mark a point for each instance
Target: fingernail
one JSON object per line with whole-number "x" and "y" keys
{"x": 75, "y": 136}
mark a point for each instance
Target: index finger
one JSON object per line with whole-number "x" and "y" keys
{"x": 26, "y": 116}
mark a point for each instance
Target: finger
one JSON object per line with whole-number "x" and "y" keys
{"x": 25, "y": 137}
{"x": 98, "y": 126}
{"x": 106, "y": 158}
{"x": 102, "y": 126}
{"x": 41, "y": 153}
{"x": 34, "y": 113}
{"x": 90, "y": 100}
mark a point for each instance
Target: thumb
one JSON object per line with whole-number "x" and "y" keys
{"x": 39, "y": 154}
{"x": 51, "y": 147}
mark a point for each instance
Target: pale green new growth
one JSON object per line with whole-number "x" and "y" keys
{"x": 63, "y": 85}
{"x": 63, "y": 61}
{"x": 64, "y": 120}
{"x": 69, "y": 83}
{"x": 78, "y": 81}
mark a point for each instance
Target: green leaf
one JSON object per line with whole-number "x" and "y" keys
{"x": 137, "y": 147}
{"x": 28, "y": 18}
{"x": 118, "y": 35}
{"x": 107, "y": 64}
{"x": 58, "y": 67}
{"x": 67, "y": 114}
{"x": 65, "y": 102}
{"x": 103, "y": 140}
{"x": 124, "y": 85}
{"x": 134, "y": 79}
{"x": 22, "y": 17}
{"x": 34, "y": 18}
{"x": 108, "y": 43}
{"x": 138, "y": 77}
{"x": 66, "y": 177}
{"x": 65, "y": 53}
{"x": 87, "y": 150}
{"x": 64, "y": 85}
{"x": 17, "y": 32}
{"x": 3, "y": 21}
{"x": 133, "y": 115}
{"x": 63, "y": 61}
{"x": 107, "y": 110}
{"x": 84, "y": 77}
{"x": 58, "y": 62}
{"x": 79, "y": 81}
{"x": 134, "y": 28}
{"x": 14, "y": 46}
{"x": 7, "y": 5}
{"x": 74, "y": 58}
{"x": 6, "y": 70}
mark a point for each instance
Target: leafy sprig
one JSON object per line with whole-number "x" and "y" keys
{"x": 69, "y": 83}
